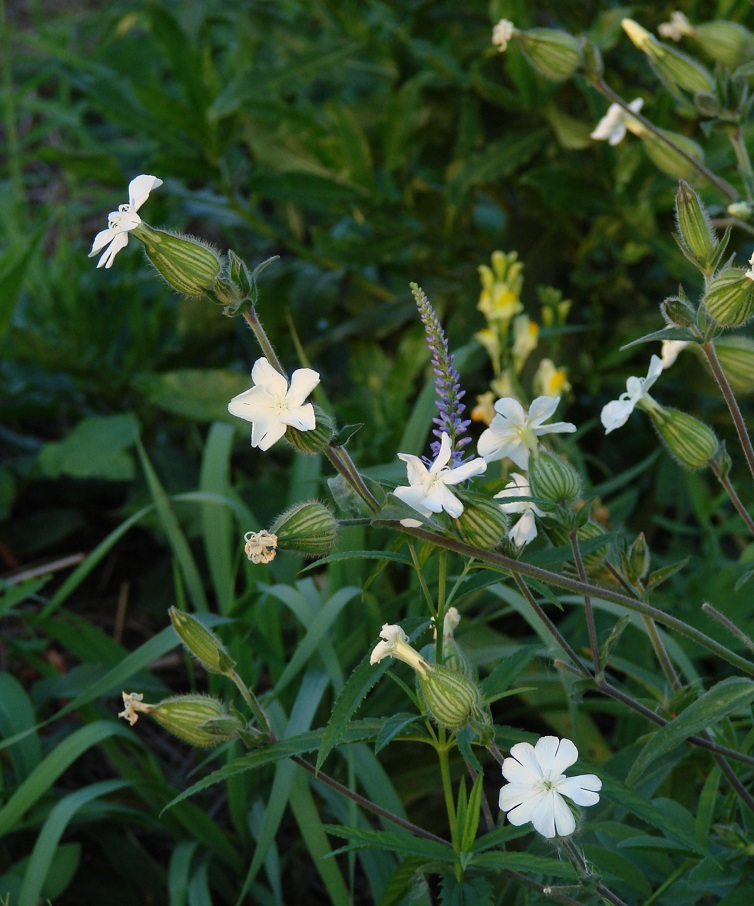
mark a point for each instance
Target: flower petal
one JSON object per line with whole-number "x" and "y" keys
{"x": 511, "y": 410}
{"x": 542, "y": 408}
{"x": 414, "y": 497}
{"x": 465, "y": 471}
{"x": 251, "y": 404}
{"x": 615, "y": 414}
{"x": 655, "y": 370}
{"x": 139, "y": 189}
{"x": 556, "y": 428}
{"x": 443, "y": 455}
{"x": 555, "y": 755}
{"x": 523, "y": 753}
{"x": 101, "y": 240}
{"x": 583, "y": 790}
{"x": 301, "y": 417}
{"x": 543, "y": 814}
{"x": 415, "y": 468}
{"x": 119, "y": 242}
{"x": 266, "y": 433}
{"x": 525, "y": 530}
{"x": 520, "y": 800}
{"x": 268, "y": 378}
{"x": 446, "y": 499}
{"x": 565, "y": 823}
{"x": 303, "y": 381}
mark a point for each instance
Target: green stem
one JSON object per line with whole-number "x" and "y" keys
{"x": 255, "y": 324}
{"x": 735, "y": 412}
{"x": 591, "y": 628}
{"x": 441, "y": 603}
{"x": 725, "y": 187}
{"x": 585, "y": 873}
{"x": 423, "y": 582}
{"x": 447, "y": 787}
{"x": 733, "y": 494}
{"x": 742, "y": 159}
{"x": 251, "y": 701}
{"x": 729, "y": 625}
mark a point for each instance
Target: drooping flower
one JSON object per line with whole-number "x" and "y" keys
{"x": 502, "y": 33}
{"x": 612, "y": 127}
{"x": 122, "y": 221}
{"x": 536, "y": 786}
{"x": 260, "y": 547}
{"x": 394, "y": 643}
{"x": 670, "y": 351}
{"x": 678, "y": 26}
{"x": 271, "y": 404}
{"x": 616, "y": 413}
{"x": 133, "y": 707}
{"x": 428, "y": 490}
{"x": 525, "y": 530}
{"x": 514, "y": 432}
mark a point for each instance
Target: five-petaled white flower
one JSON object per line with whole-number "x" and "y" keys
{"x": 428, "y": 490}
{"x": 612, "y": 127}
{"x": 122, "y": 221}
{"x": 537, "y": 785}
{"x": 502, "y": 33}
{"x": 514, "y": 434}
{"x": 616, "y": 413}
{"x": 525, "y": 530}
{"x": 271, "y": 405}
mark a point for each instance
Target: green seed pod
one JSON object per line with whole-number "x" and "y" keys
{"x": 312, "y": 442}
{"x": 184, "y": 716}
{"x": 191, "y": 267}
{"x": 482, "y": 524}
{"x": 724, "y": 42}
{"x": 667, "y": 158}
{"x": 556, "y": 54}
{"x": 736, "y": 355}
{"x": 308, "y": 528}
{"x": 730, "y": 297}
{"x": 696, "y": 233}
{"x": 201, "y": 642}
{"x": 451, "y": 698}
{"x": 687, "y": 439}
{"x": 675, "y": 68}
{"x": 553, "y": 481}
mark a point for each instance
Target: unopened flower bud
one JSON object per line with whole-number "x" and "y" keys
{"x": 674, "y": 67}
{"x": 307, "y": 528}
{"x": 730, "y": 297}
{"x": 317, "y": 439}
{"x": 678, "y": 312}
{"x": 553, "y": 481}
{"x": 668, "y": 158}
{"x": 482, "y": 523}
{"x": 201, "y": 642}
{"x": 556, "y": 54}
{"x": 736, "y": 356}
{"x": 185, "y": 716}
{"x": 191, "y": 267}
{"x": 451, "y": 698}
{"x": 696, "y": 233}
{"x": 688, "y": 440}
{"x": 739, "y": 209}
{"x": 729, "y": 43}
{"x": 639, "y": 558}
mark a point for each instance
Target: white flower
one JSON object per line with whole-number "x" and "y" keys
{"x": 260, "y": 547}
{"x": 502, "y": 33}
{"x": 612, "y": 127}
{"x": 120, "y": 222}
{"x": 750, "y": 272}
{"x": 428, "y": 488}
{"x": 537, "y": 785}
{"x": 678, "y": 26}
{"x": 525, "y": 530}
{"x": 616, "y": 413}
{"x": 395, "y": 644}
{"x": 271, "y": 405}
{"x": 514, "y": 434}
{"x": 670, "y": 350}
{"x": 133, "y": 705}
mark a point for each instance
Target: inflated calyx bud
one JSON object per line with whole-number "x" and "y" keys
{"x": 667, "y": 157}
{"x": 736, "y": 356}
{"x": 197, "y": 719}
{"x": 191, "y": 267}
{"x": 696, "y": 233}
{"x": 317, "y": 439}
{"x": 307, "y": 528}
{"x": 674, "y": 67}
{"x": 638, "y": 559}
{"x": 451, "y": 699}
{"x": 687, "y": 439}
{"x": 729, "y": 43}
{"x": 201, "y": 642}
{"x": 556, "y": 54}
{"x": 553, "y": 481}
{"x": 730, "y": 297}
{"x": 453, "y": 655}
{"x": 678, "y": 312}
{"x": 482, "y": 523}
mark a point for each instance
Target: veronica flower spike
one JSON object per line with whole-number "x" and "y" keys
{"x": 514, "y": 433}
{"x": 121, "y": 222}
{"x": 536, "y": 786}
{"x": 271, "y": 404}
{"x": 616, "y": 414}
{"x": 428, "y": 490}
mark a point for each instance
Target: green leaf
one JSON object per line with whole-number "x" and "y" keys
{"x": 199, "y": 394}
{"x": 667, "y": 333}
{"x": 13, "y": 267}
{"x": 524, "y": 862}
{"x": 95, "y": 448}
{"x": 725, "y": 698}
{"x": 501, "y": 678}
{"x": 472, "y": 816}
{"x": 394, "y": 842}
{"x": 498, "y": 160}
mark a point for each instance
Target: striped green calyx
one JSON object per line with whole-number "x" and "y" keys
{"x": 314, "y": 441}
{"x": 191, "y": 267}
{"x": 482, "y": 523}
{"x": 553, "y": 481}
{"x": 307, "y": 528}
{"x": 201, "y": 642}
{"x": 197, "y": 719}
{"x": 730, "y": 297}
{"x": 556, "y": 54}
{"x": 450, "y": 697}
{"x": 688, "y": 440}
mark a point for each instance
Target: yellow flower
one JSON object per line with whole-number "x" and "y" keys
{"x": 525, "y": 337}
{"x": 484, "y": 411}
{"x": 549, "y": 380}
{"x": 501, "y": 287}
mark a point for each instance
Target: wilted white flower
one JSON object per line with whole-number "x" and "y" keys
{"x": 616, "y": 413}
{"x": 271, "y": 405}
{"x": 260, "y": 547}
{"x": 133, "y": 706}
{"x": 670, "y": 350}
{"x": 395, "y": 644}
{"x": 428, "y": 490}
{"x": 525, "y": 530}
{"x": 513, "y": 432}
{"x": 502, "y": 33}
{"x": 678, "y": 26}
{"x": 122, "y": 221}
{"x": 537, "y": 785}
{"x": 612, "y": 127}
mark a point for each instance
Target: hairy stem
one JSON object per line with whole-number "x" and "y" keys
{"x": 735, "y": 412}
{"x": 591, "y": 628}
{"x": 732, "y": 493}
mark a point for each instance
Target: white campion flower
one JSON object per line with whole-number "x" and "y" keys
{"x": 612, "y": 127}
{"x": 394, "y": 643}
{"x": 122, "y": 221}
{"x": 513, "y": 432}
{"x": 670, "y": 351}
{"x": 271, "y": 404}
{"x": 616, "y": 413}
{"x": 428, "y": 490}
{"x": 502, "y": 33}
{"x": 678, "y": 26}
{"x": 525, "y": 530}
{"x": 536, "y": 786}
